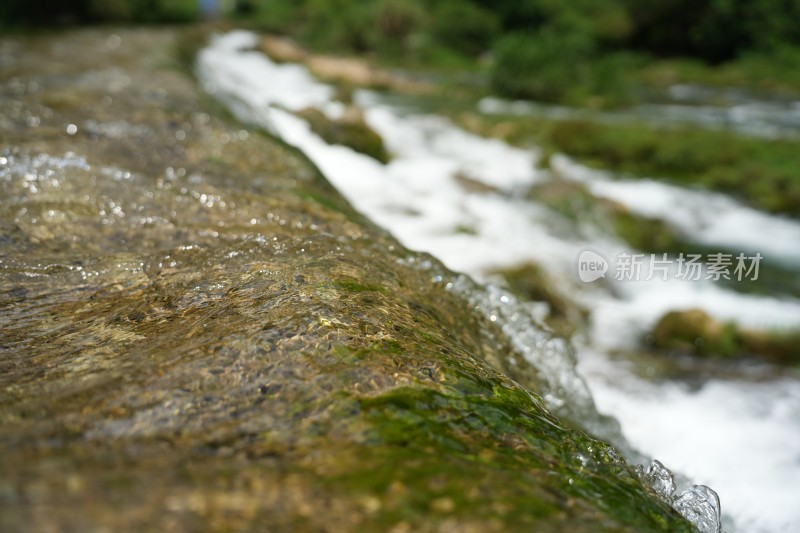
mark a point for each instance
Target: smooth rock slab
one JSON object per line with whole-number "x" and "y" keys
{"x": 197, "y": 333}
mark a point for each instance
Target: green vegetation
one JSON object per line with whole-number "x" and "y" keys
{"x": 763, "y": 172}
{"x": 505, "y": 444}
{"x": 465, "y": 27}
{"x": 694, "y": 332}
{"x": 552, "y": 68}
{"x": 650, "y": 235}
{"x": 585, "y": 52}
{"x": 389, "y": 27}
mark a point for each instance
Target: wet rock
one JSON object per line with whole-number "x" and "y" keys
{"x": 350, "y": 129}
{"x": 198, "y": 333}
{"x": 576, "y": 204}
{"x": 695, "y": 332}
{"x": 341, "y": 70}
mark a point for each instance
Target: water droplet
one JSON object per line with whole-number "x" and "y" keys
{"x": 113, "y": 41}
{"x": 660, "y": 479}
{"x": 700, "y": 506}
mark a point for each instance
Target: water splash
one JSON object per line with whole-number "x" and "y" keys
{"x": 698, "y": 504}
{"x": 567, "y": 395}
{"x": 565, "y": 391}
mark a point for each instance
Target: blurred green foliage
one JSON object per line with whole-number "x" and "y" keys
{"x": 22, "y": 13}
{"x": 576, "y": 52}
{"x": 467, "y": 28}
{"x": 581, "y": 51}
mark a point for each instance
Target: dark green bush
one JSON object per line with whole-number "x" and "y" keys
{"x": 339, "y": 24}
{"x": 279, "y": 16}
{"x": 55, "y": 12}
{"x": 465, "y": 27}
{"x": 545, "y": 66}
{"x": 713, "y": 30}
{"x": 397, "y": 19}
{"x": 394, "y": 23}
{"x": 366, "y": 26}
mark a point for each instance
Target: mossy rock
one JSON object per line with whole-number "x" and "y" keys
{"x": 573, "y": 201}
{"x": 695, "y": 332}
{"x": 349, "y": 130}
{"x": 199, "y": 334}
{"x": 647, "y": 234}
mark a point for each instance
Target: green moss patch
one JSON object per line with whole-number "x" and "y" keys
{"x": 694, "y": 332}
{"x": 350, "y": 130}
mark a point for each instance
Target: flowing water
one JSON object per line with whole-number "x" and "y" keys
{"x": 687, "y": 105}
{"x": 737, "y": 432}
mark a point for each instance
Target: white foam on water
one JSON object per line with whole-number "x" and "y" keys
{"x": 239, "y": 71}
{"x": 705, "y": 217}
{"x": 419, "y": 197}
{"x": 619, "y": 323}
{"x": 752, "y": 456}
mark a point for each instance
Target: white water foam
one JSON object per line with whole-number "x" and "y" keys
{"x": 742, "y": 438}
{"x": 705, "y": 217}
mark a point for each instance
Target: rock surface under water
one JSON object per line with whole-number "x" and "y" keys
{"x": 198, "y": 333}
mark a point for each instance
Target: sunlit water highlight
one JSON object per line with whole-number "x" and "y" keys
{"x": 743, "y": 439}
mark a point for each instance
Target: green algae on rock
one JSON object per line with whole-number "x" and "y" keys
{"x": 695, "y": 332}
{"x": 348, "y": 130}
{"x": 198, "y": 333}
{"x": 575, "y": 203}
